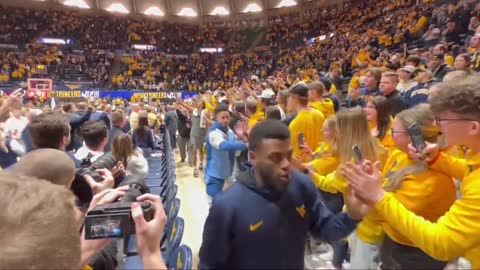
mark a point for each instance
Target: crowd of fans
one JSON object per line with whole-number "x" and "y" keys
{"x": 405, "y": 139}
{"x": 369, "y": 34}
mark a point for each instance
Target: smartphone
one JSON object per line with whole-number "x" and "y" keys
{"x": 301, "y": 140}
{"x": 418, "y": 142}
{"x": 358, "y": 154}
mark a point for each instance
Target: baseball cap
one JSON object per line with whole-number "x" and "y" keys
{"x": 267, "y": 94}
{"x": 300, "y": 89}
{"x": 408, "y": 68}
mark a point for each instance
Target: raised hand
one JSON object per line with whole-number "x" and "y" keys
{"x": 14, "y": 100}
{"x": 430, "y": 153}
{"x": 240, "y": 129}
{"x": 366, "y": 181}
{"x": 356, "y": 208}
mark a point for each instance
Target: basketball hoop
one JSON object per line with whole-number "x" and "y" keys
{"x": 39, "y": 87}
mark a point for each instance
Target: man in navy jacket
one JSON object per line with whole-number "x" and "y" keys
{"x": 263, "y": 220}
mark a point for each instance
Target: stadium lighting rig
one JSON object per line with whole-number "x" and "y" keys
{"x": 287, "y": 3}
{"x": 253, "y": 7}
{"x": 76, "y": 3}
{"x": 187, "y": 12}
{"x": 154, "y": 11}
{"x": 220, "y": 11}
{"x": 118, "y": 8}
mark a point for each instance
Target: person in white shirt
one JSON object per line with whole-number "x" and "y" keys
{"x": 95, "y": 135}
{"x": 14, "y": 127}
{"x": 15, "y": 124}
{"x": 134, "y": 116}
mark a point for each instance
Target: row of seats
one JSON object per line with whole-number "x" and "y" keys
{"x": 161, "y": 181}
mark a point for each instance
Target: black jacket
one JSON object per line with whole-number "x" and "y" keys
{"x": 441, "y": 71}
{"x": 112, "y": 134}
{"x": 76, "y": 122}
{"x": 396, "y": 102}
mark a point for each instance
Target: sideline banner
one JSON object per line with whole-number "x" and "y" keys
{"x": 128, "y": 95}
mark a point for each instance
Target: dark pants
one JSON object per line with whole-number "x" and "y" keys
{"x": 397, "y": 256}
{"x": 334, "y": 202}
{"x": 184, "y": 146}
{"x": 173, "y": 139}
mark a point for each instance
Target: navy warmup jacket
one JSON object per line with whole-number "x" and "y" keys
{"x": 249, "y": 227}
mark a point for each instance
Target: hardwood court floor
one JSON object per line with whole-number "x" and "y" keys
{"x": 194, "y": 206}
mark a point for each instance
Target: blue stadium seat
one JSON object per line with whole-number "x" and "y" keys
{"x": 170, "y": 241}
{"x": 171, "y": 193}
{"x": 174, "y": 237}
{"x": 156, "y": 190}
{"x": 181, "y": 259}
{"x": 173, "y": 209}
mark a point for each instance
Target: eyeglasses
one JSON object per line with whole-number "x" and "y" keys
{"x": 453, "y": 119}
{"x": 438, "y": 120}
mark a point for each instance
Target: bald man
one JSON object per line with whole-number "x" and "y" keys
{"x": 52, "y": 165}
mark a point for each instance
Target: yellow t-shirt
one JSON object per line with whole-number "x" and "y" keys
{"x": 325, "y": 106}
{"x": 309, "y": 123}
{"x": 326, "y": 162}
{"x": 254, "y": 119}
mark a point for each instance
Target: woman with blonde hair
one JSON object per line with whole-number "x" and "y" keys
{"x": 132, "y": 159}
{"x": 424, "y": 191}
{"x": 353, "y": 126}
{"x": 325, "y": 158}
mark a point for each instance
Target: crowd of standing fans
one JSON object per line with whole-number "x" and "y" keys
{"x": 316, "y": 39}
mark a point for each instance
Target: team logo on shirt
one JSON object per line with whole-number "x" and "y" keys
{"x": 301, "y": 210}
{"x": 256, "y": 226}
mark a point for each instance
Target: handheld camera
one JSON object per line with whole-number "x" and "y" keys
{"x": 114, "y": 220}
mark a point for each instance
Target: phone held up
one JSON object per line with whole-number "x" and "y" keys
{"x": 357, "y": 154}
{"x": 415, "y": 133}
{"x": 301, "y": 140}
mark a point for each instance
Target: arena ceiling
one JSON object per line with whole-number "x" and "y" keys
{"x": 186, "y": 8}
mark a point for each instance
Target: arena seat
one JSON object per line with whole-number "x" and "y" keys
{"x": 181, "y": 258}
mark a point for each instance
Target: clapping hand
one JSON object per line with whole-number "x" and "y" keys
{"x": 355, "y": 207}
{"x": 366, "y": 181}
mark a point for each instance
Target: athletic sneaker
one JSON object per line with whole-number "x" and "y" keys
{"x": 201, "y": 166}
{"x": 195, "y": 173}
